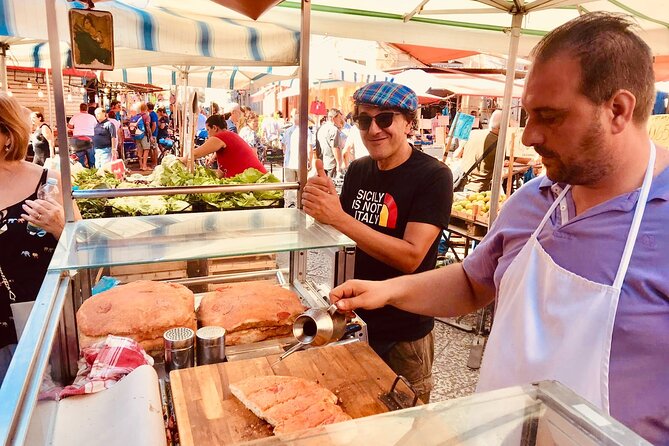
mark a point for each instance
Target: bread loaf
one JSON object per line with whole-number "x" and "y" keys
{"x": 141, "y": 310}
{"x": 250, "y": 311}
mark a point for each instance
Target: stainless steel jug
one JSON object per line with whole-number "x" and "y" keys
{"x": 318, "y": 326}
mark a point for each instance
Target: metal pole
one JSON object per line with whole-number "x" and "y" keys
{"x": 305, "y": 38}
{"x": 3, "y": 66}
{"x": 506, "y": 111}
{"x": 61, "y": 122}
{"x": 48, "y": 96}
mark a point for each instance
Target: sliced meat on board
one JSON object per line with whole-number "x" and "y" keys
{"x": 288, "y": 403}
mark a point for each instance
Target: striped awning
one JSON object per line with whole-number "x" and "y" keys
{"x": 155, "y": 35}
{"x": 229, "y": 78}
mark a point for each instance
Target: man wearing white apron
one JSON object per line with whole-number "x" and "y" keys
{"x": 577, "y": 261}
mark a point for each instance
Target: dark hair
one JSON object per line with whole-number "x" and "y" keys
{"x": 216, "y": 120}
{"x": 611, "y": 56}
{"x": 111, "y": 115}
{"x": 83, "y": 107}
{"x": 150, "y": 105}
{"x": 40, "y": 116}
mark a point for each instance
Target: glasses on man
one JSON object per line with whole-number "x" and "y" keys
{"x": 383, "y": 120}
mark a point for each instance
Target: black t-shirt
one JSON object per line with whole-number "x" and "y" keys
{"x": 420, "y": 190}
{"x": 163, "y": 124}
{"x": 103, "y": 134}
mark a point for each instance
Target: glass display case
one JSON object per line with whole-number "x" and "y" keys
{"x": 541, "y": 414}
{"x": 92, "y": 248}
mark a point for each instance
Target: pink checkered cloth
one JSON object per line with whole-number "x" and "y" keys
{"x": 105, "y": 363}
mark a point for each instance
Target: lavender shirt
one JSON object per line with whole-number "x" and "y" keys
{"x": 591, "y": 246}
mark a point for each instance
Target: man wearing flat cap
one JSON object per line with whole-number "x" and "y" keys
{"x": 394, "y": 203}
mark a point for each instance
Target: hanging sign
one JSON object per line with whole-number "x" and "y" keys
{"x": 463, "y": 126}
{"x": 92, "y": 39}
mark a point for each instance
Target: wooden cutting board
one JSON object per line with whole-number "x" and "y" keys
{"x": 207, "y": 413}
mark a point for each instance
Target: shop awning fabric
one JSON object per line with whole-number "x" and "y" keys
{"x": 162, "y": 35}
{"x": 459, "y": 83}
{"x": 479, "y": 26}
{"x": 228, "y": 78}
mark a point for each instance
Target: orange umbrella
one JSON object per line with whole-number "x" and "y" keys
{"x": 252, "y": 9}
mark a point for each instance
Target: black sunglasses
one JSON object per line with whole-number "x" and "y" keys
{"x": 383, "y": 120}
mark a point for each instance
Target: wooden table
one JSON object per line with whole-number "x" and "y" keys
{"x": 207, "y": 413}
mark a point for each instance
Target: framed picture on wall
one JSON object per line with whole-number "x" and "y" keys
{"x": 92, "y": 39}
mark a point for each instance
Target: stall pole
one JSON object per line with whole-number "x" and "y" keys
{"x": 450, "y": 137}
{"x": 193, "y": 128}
{"x": 3, "y": 66}
{"x": 506, "y": 110}
{"x": 183, "y": 95}
{"x": 304, "y": 98}
{"x": 48, "y": 95}
{"x": 509, "y": 177}
{"x": 61, "y": 122}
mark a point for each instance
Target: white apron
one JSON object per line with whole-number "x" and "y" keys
{"x": 553, "y": 324}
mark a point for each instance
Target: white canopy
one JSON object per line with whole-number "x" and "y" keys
{"x": 163, "y": 35}
{"x": 475, "y": 25}
{"x": 229, "y": 78}
{"x": 459, "y": 83}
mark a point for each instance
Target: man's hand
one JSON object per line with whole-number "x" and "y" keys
{"x": 364, "y": 294}
{"x": 320, "y": 199}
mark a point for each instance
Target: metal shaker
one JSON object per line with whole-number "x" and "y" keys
{"x": 179, "y": 348}
{"x": 210, "y": 345}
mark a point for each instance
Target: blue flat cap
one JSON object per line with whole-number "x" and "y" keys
{"x": 387, "y": 94}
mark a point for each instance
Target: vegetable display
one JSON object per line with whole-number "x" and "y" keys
{"x": 171, "y": 172}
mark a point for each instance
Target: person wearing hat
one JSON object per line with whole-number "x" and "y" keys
{"x": 576, "y": 261}
{"x": 394, "y": 205}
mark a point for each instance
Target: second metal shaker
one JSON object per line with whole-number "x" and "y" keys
{"x": 210, "y": 345}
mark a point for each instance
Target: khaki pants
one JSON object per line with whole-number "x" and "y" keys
{"x": 413, "y": 360}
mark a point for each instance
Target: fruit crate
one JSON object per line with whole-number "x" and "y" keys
{"x": 474, "y": 225}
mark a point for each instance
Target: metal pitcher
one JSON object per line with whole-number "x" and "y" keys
{"x": 318, "y": 326}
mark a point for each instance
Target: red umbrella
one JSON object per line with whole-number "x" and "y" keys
{"x": 252, "y": 9}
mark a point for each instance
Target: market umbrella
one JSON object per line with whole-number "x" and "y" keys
{"x": 458, "y": 83}
{"x": 154, "y": 36}
{"x": 499, "y": 27}
{"x": 228, "y": 78}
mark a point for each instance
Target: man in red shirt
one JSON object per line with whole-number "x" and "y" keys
{"x": 233, "y": 154}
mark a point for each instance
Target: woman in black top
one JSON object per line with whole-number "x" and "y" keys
{"x": 24, "y": 258}
{"x": 41, "y": 139}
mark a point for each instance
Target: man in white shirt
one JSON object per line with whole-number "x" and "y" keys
{"x": 83, "y": 128}
{"x": 270, "y": 131}
{"x": 354, "y": 148}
